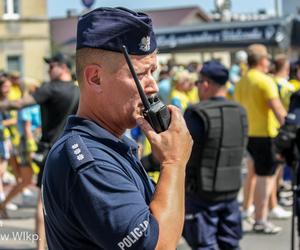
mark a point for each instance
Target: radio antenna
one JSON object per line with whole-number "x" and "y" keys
{"x": 136, "y": 80}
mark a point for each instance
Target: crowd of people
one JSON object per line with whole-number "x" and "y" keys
{"x": 19, "y": 132}
{"x": 32, "y": 118}
{"x": 93, "y": 179}
{"x": 262, "y": 86}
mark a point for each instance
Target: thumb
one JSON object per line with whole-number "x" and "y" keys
{"x": 146, "y": 128}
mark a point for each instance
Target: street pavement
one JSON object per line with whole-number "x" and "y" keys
{"x": 18, "y": 232}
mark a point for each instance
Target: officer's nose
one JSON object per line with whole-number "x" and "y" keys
{"x": 150, "y": 85}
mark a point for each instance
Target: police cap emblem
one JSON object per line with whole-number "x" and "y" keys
{"x": 145, "y": 44}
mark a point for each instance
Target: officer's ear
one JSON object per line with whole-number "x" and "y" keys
{"x": 205, "y": 85}
{"x": 92, "y": 77}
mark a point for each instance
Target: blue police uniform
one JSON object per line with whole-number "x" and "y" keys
{"x": 96, "y": 193}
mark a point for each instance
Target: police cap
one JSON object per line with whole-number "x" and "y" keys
{"x": 110, "y": 28}
{"x": 215, "y": 71}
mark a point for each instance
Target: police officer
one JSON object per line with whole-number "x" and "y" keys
{"x": 96, "y": 193}
{"x": 219, "y": 130}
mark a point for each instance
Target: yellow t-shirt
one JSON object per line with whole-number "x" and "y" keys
{"x": 243, "y": 68}
{"x": 193, "y": 95}
{"x": 253, "y": 92}
{"x": 295, "y": 83}
{"x": 179, "y": 99}
{"x": 285, "y": 90}
{"x": 15, "y": 93}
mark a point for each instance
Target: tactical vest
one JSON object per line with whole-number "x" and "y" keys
{"x": 215, "y": 163}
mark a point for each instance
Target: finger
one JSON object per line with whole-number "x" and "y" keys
{"x": 176, "y": 115}
{"x": 146, "y": 128}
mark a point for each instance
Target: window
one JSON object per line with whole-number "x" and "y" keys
{"x": 14, "y": 63}
{"x": 11, "y": 9}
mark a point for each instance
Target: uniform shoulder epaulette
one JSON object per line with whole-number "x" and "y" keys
{"x": 77, "y": 152}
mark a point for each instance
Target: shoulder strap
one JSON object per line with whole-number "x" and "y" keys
{"x": 77, "y": 152}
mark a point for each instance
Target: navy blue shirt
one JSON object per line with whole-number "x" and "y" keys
{"x": 96, "y": 193}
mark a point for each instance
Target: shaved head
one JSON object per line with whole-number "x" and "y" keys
{"x": 86, "y": 56}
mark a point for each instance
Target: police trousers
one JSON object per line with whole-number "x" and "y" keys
{"x": 212, "y": 225}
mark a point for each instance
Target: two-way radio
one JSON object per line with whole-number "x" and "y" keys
{"x": 155, "y": 111}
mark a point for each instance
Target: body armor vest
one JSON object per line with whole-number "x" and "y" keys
{"x": 216, "y": 162}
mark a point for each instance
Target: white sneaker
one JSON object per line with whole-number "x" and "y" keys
{"x": 247, "y": 224}
{"x": 286, "y": 194}
{"x": 11, "y": 207}
{"x": 279, "y": 213}
{"x": 266, "y": 228}
{"x": 285, "y": 202}
{"x": 249, "y": 212}
{"x": 27, "y": 192}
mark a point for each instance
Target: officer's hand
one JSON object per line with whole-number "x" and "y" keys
{"x": 173, "y": 146}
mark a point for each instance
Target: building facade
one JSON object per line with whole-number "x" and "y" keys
{"x": 289, "y": 7}
{"x": 24, "y": 37}
{"x": 189, "y": 34}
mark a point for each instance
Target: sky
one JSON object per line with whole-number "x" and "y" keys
{"x": 58, "y": 8}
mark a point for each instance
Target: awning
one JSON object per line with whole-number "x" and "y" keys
{"x": 271, "y": 32}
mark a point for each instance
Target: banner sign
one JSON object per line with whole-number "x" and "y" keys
{"x": 268, "y": 34}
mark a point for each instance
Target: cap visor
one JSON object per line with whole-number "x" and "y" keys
{"x": 47, "y": 60}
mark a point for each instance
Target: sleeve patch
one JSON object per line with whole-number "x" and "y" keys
{"x": 78, "y": 153}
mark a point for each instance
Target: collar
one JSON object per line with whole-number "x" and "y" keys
{"x": 85, "y": 126}
{"x": 218, "y": 98}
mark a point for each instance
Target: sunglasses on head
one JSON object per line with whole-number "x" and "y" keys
{"x": 199, "y": 81}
